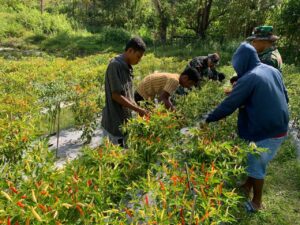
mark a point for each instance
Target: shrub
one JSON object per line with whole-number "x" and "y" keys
{"x": 45, "y": 23}
{"x": 115, "y": 35}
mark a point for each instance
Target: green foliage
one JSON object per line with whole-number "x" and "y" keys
{"x": 288, "y": 25}
{"x": 42, "y": 23}
{"x": 108, "y": 185}
{"x": 9, "y": 27}
{"x": 115, "y": 35}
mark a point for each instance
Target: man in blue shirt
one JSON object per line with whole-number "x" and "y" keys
{"x": 261, "y": 97}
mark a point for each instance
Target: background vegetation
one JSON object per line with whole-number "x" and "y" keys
{"x": 81, "y": 27}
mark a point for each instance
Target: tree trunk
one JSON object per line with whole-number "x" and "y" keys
{"x": 163, "y": 24}
{"x": 203, "y": 15}
{"x": 73, "y": 8}
{"x": 42, "y": 6}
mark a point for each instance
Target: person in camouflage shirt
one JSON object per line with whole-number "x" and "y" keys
{"x": 205, "y": 65}
{"x": 262, "y": 39}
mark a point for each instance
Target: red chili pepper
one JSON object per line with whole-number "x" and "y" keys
{"x": 174, "y": 179}
{"x": 129, "y": 212}
{"x": 162, "y": 186}
{"x": 8, "y": 221}
{"x": 43, "y": 192}
{"x": 17, "y": 223}
{"x": 42, "y": 207}
{"x": 14, "y": 189}
{"x": 79, "y": 209}
{"x": 23, "y": 196}
{"x": 19, "y": 203}
{"x": 207, "y": 177}
{"x": 182, "y": 216}
{"x": 89, "y": 183}
{"x": 146, "y": 200}
{"x": 205, "y": 216}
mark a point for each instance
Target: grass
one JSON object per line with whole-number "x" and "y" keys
{"x": 281, "y": 191}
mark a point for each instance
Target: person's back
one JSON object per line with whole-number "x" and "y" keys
{"x": 262, "y": 100}
{"x": 153, "y": 85}
{"x": 266, "y": 112}
{"x": 261, "y": 92}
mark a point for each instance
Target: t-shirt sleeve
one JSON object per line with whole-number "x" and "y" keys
{"x": 171, "y": 85}
{"x": 114, "y": 81}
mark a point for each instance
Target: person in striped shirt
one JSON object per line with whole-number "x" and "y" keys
{"x": 163, "y": 85}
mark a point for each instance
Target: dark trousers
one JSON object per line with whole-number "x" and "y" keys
{"x": 137, "y": 97}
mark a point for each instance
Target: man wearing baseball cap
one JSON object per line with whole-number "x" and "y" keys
{"x": 263, "y": 39}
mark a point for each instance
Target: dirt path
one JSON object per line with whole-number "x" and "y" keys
{"x": 70, "y": 144}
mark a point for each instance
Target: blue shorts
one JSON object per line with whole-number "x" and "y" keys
{"x": 257, "y": 164}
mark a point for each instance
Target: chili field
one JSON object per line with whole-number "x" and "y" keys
{"x": 164, "y": 176}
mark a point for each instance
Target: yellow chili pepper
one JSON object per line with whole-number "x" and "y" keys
{"x": 33, "y": 196}
{"x": 36, "y": 215}
{"x": 6, "y": 196}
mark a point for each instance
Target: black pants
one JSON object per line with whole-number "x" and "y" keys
{"x": 137, "y": 97}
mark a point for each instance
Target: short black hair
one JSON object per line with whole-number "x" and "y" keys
{"x": 137, "y": 44}
{"x": 192, "y": 74}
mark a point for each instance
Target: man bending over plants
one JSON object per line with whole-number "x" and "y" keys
{"x": 263, "y": 119}
{"x": 119, "y": 100}
{"x": 163, "y": 85}
{"x": 206, "y": 66}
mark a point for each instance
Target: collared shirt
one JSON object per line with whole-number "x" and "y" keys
{"x": 154, "y": 84}
{"x": 118, "y": 78}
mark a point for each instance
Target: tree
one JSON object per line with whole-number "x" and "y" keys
{"x": 290, "y": 21}
{"x": 162, "y": 8}
{"x": 235, "y": 23}
{"x": 42, "y": 6}
{"x": 198, "y": 15}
